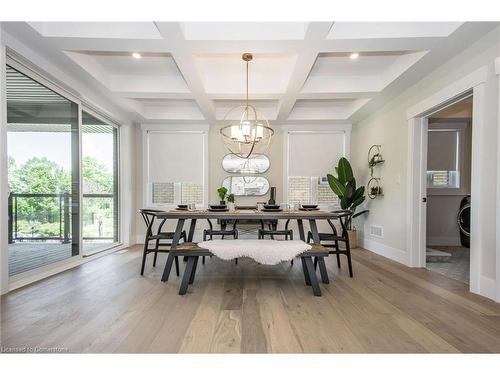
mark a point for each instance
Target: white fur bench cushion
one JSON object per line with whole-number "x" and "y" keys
{"x": 262, "y": 251}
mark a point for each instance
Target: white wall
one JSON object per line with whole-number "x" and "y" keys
{"x": 388, "y": 127}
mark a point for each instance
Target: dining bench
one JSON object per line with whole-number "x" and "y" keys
{"x": 191, "y": 251}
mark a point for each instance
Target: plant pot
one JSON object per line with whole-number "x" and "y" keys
{"x": 222, "y": 203}
{"x": 353, "y": 239}
{"x": 230, "y": 206}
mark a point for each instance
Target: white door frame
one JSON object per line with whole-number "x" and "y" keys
{"x": 497, "y": 294}
{"x": 417, "y": 167}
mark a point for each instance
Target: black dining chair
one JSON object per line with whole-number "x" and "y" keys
{"x": 223, "y": 231}
{"x": 272, "y": 230}
{"x": 334, "y": 238}
{"x": 149, "y": 216}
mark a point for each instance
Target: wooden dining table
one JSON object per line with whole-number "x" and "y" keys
{"x": 299, "y": 215}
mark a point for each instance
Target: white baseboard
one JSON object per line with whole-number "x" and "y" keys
{"x": 487, "y": 287}
{"x": 392, "y": 253}
{"x": 443, "y": 241}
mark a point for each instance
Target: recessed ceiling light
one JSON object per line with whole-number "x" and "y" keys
{"x": 136, "y": 55}
{"x": 354, "y": 55}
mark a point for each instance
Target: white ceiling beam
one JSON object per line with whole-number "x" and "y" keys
{"x": 172, "y": 33}
{"x": 307, "y": 53}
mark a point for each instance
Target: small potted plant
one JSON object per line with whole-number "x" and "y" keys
{"x": 344, "y": 186}
{"x": 230, "y": 202}
{"x": 222, "y": 192}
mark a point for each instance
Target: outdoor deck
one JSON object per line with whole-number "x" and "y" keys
{"x": 25, "y": 256}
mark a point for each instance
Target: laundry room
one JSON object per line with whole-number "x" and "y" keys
{"x": 448, "y": 190}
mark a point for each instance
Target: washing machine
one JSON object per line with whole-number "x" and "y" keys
{"x": 464, "y": 221}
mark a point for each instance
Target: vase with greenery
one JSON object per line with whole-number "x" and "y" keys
{"x": 230, "y": 202}
{"x": 222, "y": 192}
{"x": 351, "y": 196}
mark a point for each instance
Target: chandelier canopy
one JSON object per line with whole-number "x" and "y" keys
{"x": 248, "y": 133}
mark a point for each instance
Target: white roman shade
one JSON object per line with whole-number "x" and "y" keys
{"x": 443, "y": 150}
{"x": 175, "y": 167}
{"x": 314, "y": 154}
{"x": 175, "y": 157}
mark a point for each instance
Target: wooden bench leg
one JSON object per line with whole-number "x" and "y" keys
{"x": 312, "y": 276}
{"x": 188, "y": 272}
{"x": 322, "y": 270}
{"x": 306, "y": 273}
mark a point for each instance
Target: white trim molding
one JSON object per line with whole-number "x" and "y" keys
{"x": 392, "y": 253}
{"x": 448, "y": 93}
{"x": 417, "y": 165}
{"x": 497, "y": 294}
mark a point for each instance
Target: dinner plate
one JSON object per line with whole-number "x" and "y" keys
{"x": 308, "y": 209}
{"x": 272, "y": 209}
{"x": 218, "y": 209}
{"x": 181, "y": 209}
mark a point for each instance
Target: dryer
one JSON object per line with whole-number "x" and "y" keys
{"x": 463, "y": 219}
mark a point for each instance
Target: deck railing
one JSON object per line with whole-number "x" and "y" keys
{"x": 63, "y": 200}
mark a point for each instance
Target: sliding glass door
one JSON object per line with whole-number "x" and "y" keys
{"x": 100, "y": 183}
{"x": 43, "y": 174}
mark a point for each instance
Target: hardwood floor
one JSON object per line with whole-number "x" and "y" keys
{"x": 105, "y": 306}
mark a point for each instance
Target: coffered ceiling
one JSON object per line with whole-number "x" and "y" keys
{"x": 301, "y": 72}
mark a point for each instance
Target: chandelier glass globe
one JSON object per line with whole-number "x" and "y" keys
{"x": 250, "y": 134}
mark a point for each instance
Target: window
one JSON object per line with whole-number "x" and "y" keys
{"x": 176, "y": 167}
{"x": 444, "y": 159}
{"x": 311, "y": 156}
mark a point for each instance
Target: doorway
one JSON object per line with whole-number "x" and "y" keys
{"x": 448, "y": 190}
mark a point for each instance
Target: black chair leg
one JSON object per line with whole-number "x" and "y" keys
{"x": 236, "y": 261}
{"x": 315, "y": 263}
{"x": 349, "y": 263}
{"x": 154, "y": 259}
{"x": 177, "y": 266}
{"x": 144, "y": 256}
{"x": 203, "y": 260}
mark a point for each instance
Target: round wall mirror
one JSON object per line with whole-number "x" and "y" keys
{"x": 256, "y": 164}
{"x": 246, "y": 185}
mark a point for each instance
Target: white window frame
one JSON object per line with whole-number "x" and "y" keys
{"x": 288, "y": 130}
{"x": 147, "y": 130}
{"x": 460, "y": 127}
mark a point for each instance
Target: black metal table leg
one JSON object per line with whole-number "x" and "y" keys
{"x": 312, "y": 276}
{"x": 322, "y": 270}
{"x": 314, "y": 230}
{"x": 301, "y": 230}
{"x": 192, "y": 227}
{"x": 191, "y": 279}
{"x": 175, "y": 241}
{"x": 187, "y": 275}
{"x": 306, "y": 272}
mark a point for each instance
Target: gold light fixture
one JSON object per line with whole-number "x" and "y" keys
{"x": 251, "y": 133}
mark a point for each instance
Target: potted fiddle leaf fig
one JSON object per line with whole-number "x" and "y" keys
{"x": 344, "y": 186}
{"x": 222, "y": 191}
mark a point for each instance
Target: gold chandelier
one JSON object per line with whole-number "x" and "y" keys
{"x": 251, "y": 134}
